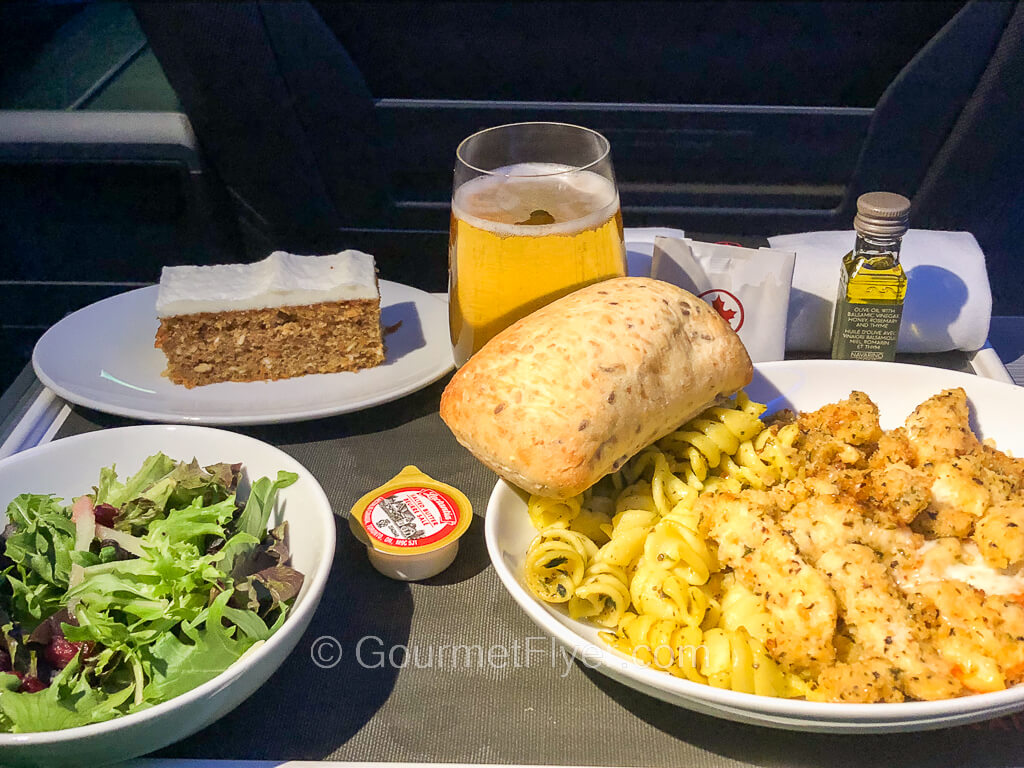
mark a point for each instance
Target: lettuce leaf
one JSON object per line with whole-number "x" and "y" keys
{"x": 256, "y": 515}
{"x": 175, "y": 578}
{"x": 251, "y": 526}
{"x": 111, "y": 491}
{"x": 39, "y": 542}
{"x": 264, "y": 581}
{"x": 176, "y": 665}
{"x": 159, "y": 622}
{"x": 68, "y": 702}
{"x": 176, "y": 488}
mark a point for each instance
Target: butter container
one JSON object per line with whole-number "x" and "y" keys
{"x": 411, "y": 525}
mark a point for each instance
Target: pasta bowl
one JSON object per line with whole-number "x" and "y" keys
{"x": 69, "y": 467}
{"x": 997, "y": 413}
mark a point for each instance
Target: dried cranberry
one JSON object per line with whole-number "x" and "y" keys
{"x": 29, "y": 683}
{"x": 60, "y": 652}
{"x": 105, "y": 514}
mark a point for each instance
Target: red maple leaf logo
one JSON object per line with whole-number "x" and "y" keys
{"x": 719, "y": 305}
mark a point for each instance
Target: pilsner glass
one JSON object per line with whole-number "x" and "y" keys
{"x": 535, "y": 215}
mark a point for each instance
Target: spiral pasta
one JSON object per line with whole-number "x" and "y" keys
{"x": 737, "y": 661}
{"x": 628, "y": 533}
{"x": 662, "y": 643}
{"x": 774, "y": 446}
{"x": 594, "y": 518}
{"x": 741, "y": 608}
{"x": 675, "y": 545}
{"x": 628, "y": 554}
{"x": 603, "y": 595}
{"x": 702, "y": 443}
{"x": 664, "y": 595}
{"x": 716, "y": 657}
{"x": 556, "y": 562}
{"x": 550, "y": 513}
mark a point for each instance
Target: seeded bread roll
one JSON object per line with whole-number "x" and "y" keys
{"x": 569, "y": 393}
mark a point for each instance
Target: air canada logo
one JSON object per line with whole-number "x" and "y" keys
{"x": 726, "y": 305}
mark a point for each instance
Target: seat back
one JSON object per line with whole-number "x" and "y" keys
{"x": 336, "y": 124}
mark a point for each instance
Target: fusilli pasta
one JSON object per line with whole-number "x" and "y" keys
{"x": 628, "y": 554}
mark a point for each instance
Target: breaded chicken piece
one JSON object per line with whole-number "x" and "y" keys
{"x": 999, "y": 535}
{"x": 967, "y": 476}
{"x": 893, "y": 447}
{"x": 766, "y": 561}
{"x": 958, "y": 498}
{"x": 818, "y": 454}
{"x": 861, "y": 681}
{"x": 933, "y": 561}
{"x": 1011, "y": 616}
{"x": 979, "y": 634}
{"x": 895, "y": 494}
{"x": 858, "y": 601}
{"x": 894, "y": 489}
{"x": 880, "y": 622}
{"x": 939, "y": 428}
{"x": 853, "y": 421}
{"x": 837, "y": 436}
{"x": 823, "y": 523}
{"x": 1003, "y": 474}
{"x": 818, "y": 523}
{"x": 952, "y": 522}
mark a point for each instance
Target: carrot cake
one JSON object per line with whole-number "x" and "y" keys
{"x": 284, "y": 316}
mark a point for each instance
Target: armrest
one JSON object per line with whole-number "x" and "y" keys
{"x": 53, "y": 136}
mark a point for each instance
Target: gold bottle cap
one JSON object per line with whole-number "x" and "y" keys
{"x": 882, "y": 214}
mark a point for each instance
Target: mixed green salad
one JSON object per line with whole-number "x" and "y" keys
{"x": 137, "y": 592}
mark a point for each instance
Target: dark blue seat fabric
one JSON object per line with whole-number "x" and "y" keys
{"x": 976, "y": 181}
{"x": 330, "y": 123}
{"x": 281, "y": 111}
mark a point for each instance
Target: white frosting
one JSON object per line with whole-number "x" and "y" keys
{"x": 280, "y": 280}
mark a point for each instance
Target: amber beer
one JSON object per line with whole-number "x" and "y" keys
{"x": 523, "y": 236}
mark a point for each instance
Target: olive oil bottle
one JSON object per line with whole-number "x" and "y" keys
{"x": 872, "y": 284}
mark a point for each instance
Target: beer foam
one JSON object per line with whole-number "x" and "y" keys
{"x": 499, "y": 201}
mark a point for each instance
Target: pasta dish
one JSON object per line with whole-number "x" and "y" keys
{"x": 813, "y": 555}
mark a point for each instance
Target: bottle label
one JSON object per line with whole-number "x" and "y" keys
{"x": 866, "y": 332}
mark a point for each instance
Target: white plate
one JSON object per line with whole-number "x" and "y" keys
{"x": 69, "y": 467}
{"x": 801, "y": 385}
{"x": 103, "y": 357}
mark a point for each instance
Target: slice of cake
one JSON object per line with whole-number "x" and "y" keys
{"x": 284, "y": 316}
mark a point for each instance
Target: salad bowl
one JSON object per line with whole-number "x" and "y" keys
{"x": 69, "y": 468}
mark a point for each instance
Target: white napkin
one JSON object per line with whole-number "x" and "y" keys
{"x": 948, "y": 304}
{"x": 748, "y": 287}
{"x": 640, "y": 247}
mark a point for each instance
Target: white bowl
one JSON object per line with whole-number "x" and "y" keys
{"x": 70, "y": 467}
{"x": 801, "y": 385}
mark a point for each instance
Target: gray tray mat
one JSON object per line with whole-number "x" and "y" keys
{"x": 543, "y": 712}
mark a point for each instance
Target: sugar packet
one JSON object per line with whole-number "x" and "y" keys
{"x": 748, "y": 287}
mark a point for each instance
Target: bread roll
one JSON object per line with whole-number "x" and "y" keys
{"x": 569, "y": 393}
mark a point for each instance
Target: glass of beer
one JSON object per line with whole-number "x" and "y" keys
{"x": 535, "y": 215}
